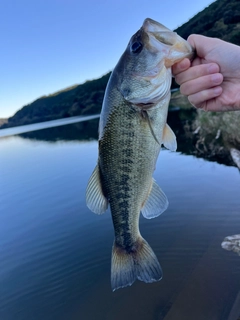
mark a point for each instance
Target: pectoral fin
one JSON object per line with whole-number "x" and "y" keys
{"x": 156, "y": 202}
{"x": 95, "y": 199}
{"x": 169, "y": 138}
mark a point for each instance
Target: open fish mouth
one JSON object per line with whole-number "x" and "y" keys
{"x": 167, "y": 41}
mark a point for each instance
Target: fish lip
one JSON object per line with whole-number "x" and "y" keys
{"x": 152, "y": 26}
{"x": 166, "y": 38}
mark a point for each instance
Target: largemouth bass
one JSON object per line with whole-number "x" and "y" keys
{"x": 132, "y": 129}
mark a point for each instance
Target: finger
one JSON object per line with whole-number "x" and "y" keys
{"x": 197, "y": 61}
{"x": 200, "y": 99}
{"x": 201, "y": 84}
{"x": 197, "y": 72}
{"x": 181, "y": 66}
{"x": 202, "y": 44}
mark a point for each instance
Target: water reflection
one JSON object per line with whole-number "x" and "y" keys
{"x": 44, "y": 125}
{"x": 55, "y": 254}
{"x": 193, "y": 137}
{"x": 86, "y": 130}
{"x": 196, "y": 138}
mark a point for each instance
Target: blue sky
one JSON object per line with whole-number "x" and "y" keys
{"x": 48, "y": 45}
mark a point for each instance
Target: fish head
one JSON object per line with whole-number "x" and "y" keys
{"x": 144, "y": 70}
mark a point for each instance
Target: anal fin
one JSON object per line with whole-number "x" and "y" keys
{"x": 156, "y": 203}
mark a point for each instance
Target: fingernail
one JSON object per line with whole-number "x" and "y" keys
{"x": 213, "y": 68}
{"x": 217, "y": 91}
{"x": 216, "y": 78}
{"x": 184, "y": 64}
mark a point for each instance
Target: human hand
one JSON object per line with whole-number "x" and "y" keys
{"x": 212, "y": 80}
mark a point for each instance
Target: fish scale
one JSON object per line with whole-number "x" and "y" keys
{"x": 127, "y": 160}
{"x": 132, "y": 129}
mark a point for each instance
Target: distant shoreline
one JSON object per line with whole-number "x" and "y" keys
{"x": 2, "y": 121}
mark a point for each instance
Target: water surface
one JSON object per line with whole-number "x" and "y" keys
{"x": 55, "y": 254}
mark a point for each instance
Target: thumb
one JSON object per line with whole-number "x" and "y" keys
{"x": 203, "y": 45}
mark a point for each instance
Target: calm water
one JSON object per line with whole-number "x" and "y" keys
{"x": 55, "y": 254}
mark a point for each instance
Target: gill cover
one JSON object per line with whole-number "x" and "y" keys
{"x": 145, "y": 66}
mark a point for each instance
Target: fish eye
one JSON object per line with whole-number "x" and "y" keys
{"x": 136, "y": 47}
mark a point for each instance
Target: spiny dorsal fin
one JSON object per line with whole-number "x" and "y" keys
{"x": 95, "y": 199}
{"x": 169, "y": 138}
{"x": 156, "y": 203}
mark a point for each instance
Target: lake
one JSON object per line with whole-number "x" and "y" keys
{"x": 55, "y": 254}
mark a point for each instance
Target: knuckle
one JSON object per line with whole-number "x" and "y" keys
{"x": 184, "y": 89}
{"x": 177, "y": 79}
{"x": 191, "y": 100}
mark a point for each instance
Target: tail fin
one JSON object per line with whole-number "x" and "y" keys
{"x": 139, "y": 262}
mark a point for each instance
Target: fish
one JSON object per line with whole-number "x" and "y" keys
{"x": 232, "y": 243}
{"x": 132, "y": 128}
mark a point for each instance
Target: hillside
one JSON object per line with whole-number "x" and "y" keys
{"x": 220, "y": 19}
{"x": 82, "y": 99}
{"x": 3, "y": 120}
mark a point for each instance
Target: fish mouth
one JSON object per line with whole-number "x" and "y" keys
{"x": 158, "y": 30}
{"x": 173, "y": 47}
